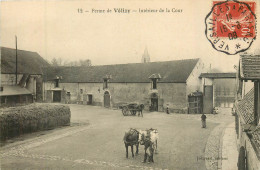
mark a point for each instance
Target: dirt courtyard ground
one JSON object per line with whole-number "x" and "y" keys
{"x": 95, "y": 141}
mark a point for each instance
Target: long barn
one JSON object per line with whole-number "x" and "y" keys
{"x": 155, "y": 84}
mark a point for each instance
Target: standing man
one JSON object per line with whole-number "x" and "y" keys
{"x": 203, "y": 120}
{"x": 167, "y": 109}
{"x": 81, "y": 96}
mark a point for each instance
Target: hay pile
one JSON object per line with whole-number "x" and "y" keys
{"x": 15, "y": 121}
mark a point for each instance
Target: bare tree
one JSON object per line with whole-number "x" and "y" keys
{"x": 86, "y": 62}
{"x": 60, "y": 62}
{"x": 54, "y": 62}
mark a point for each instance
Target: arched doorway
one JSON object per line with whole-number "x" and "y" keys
{"x": 106, "y": 99}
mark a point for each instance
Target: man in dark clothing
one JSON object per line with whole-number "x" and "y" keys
{"x": 203, "y": 120}
{"x": 148, "y": 148}
{"x": 167, "y": 109}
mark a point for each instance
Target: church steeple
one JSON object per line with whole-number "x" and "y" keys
{"x": 146, "y": 56}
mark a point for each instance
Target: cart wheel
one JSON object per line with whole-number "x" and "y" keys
{"x": 124, "y": 111}
{"x": 133, "y": 113}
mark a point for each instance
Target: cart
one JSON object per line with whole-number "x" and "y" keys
{"x": 131, "y": 109}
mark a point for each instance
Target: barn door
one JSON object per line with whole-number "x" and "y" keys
{"x": 208, "y": 99}
{"x": 56, "y": 96}
{"x": 154, "y": 104}
{"x": 106, "y": 99}
{"x": 90, "y": 99}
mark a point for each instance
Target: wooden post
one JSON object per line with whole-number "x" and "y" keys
{"x": 256, "y": 92}
{"x": 16, "y": 60}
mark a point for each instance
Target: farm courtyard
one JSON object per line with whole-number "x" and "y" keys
{"x": 94, "y": 140}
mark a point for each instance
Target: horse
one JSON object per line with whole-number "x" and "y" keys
{"x": 140, "y": 108}
{"x": 149, "y": 138}
{"x": 131, "y": 138}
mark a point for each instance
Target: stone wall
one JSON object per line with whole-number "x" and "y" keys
{"x": 173, "y": 94}
{"x": 252, "y": 159}
{"x": 49, "y": 96}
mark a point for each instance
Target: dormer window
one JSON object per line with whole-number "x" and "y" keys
{"x": 56, "y": 82}
{"x": 154, "y": 79}
{"x": 105, "y": 83}
{"x": 154, "y": 83}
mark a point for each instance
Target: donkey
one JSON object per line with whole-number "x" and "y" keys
{"x": 149, "y": 138}
{"x": 131, "y": 138}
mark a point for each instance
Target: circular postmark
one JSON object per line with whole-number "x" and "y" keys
{"x": 231, "y": 26}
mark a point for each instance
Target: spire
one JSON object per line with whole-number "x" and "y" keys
{"x": 146, "y": 56}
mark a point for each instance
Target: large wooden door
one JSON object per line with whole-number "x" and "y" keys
{"x": 154, "y": 104}
{"x": 56, "y": 96}
{"x": 90, "y": 99}
{"x": 208, "y": 99}
{"x": 106, "y": 99}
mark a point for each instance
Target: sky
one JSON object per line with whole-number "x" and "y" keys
{"x": 55, "y": 29}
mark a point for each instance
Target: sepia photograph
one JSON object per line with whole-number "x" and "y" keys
{"x": 129, "y": 84}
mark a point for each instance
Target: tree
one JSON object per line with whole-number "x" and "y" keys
{"x": 86, "y": 62}
{"x": 54, "y": 62}
{"x": 60, "y": 62}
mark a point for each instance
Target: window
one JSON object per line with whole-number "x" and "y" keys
{"x": 56, "y": 82}
{"x": 105, "y": 85}
{"x": 154, "y": 78}
{"x": 154, "y": 83}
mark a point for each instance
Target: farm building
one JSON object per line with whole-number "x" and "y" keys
{"x": 155, "y": 84}
{"x": 247, "y": 109}
{"x": 26, "y": 85}
{"x": 219, "y": 90}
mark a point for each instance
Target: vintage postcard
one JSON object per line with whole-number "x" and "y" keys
{"x": 127, "y": 84}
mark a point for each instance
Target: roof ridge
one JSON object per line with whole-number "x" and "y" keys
{"x": 171, "y": 71}
{"x": 127, "y": 63}
{"x": 19, "y": 50}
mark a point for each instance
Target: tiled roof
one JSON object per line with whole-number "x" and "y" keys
{"x": 28, "y": 62}
{"x": 176, "y": 71}
{"x": 250, "y": 67}
{"x": 218, "y": 75}
{"x": 256, "y": 136}
{"x": 246, "y": 107}
{"x": 14, "y": 90}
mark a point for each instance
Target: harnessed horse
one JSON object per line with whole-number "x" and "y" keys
{"x": 140, "y": 109}
{"x": 131, "y": 138}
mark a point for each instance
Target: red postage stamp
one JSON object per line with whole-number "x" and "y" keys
{"x": 231, "y": 26}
